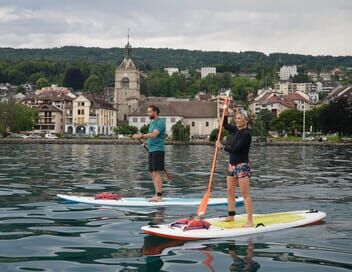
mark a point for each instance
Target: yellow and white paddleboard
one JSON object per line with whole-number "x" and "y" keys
{"x": 219, "y": 229}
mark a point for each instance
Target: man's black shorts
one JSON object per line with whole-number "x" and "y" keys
{"x": 156, "y": 161}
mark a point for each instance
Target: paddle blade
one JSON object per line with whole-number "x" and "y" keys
{"x": 168, "y": 176}
{"x": 203, "y": 205}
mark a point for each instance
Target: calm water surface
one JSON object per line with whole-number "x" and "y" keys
{"x": 40, "y": 233}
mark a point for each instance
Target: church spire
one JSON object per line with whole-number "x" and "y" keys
{"x": 128, "y": 47}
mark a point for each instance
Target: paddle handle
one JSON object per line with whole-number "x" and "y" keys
{"x": 204, "y": 203}
{"x": 216, "y": 153}
{"x": 144, "y": 145}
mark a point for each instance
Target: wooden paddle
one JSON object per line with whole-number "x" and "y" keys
{"x": 167, "y": 174}
{"x": 203, "y": 205}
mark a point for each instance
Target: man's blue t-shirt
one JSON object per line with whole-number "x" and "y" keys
{"x": 157, "y": 143}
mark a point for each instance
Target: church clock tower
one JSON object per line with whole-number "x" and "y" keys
{"x": 127, "y": 86}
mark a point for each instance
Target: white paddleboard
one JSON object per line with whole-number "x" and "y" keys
{"x": 144, "y": 202}
{"x": 220, "y": 229}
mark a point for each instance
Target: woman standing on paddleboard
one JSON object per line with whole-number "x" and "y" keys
{"x": 239, "y": 171}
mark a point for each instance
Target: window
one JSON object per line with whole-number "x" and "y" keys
{"x": 207, "y": 124}
{"x": 125, "y": 83}
{"x": 135, "y": 120}
{"x": 173, "y": 119}
{"x": 142, "y": 119}
{"x": 193, "y": 124}
{"x": 79, "y": 112}
{"x": 82, "y": 111}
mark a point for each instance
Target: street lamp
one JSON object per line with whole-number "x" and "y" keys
{"x": 304, "y": 120}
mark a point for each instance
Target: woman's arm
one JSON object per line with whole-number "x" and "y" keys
{"x": 228, "y": 127}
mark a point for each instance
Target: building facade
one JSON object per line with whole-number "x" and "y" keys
{"x": 205, "y": 71}
{"x": 276, "y": 102}
{"x": 201, "y": 116}
{"x": 127, "y": 86}
{"x": 171, "y": 70}
{"x": 50, "y": 120}
{"x": 289, "y": 87}
{"x": 90, "y": 115}
{"x": 287, "y": 71}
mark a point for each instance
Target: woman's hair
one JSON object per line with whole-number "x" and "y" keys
{"x": 246, "y": 115}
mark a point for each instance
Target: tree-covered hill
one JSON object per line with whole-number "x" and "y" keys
{"x": 152, "y": 58}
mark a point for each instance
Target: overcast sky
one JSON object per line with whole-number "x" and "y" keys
{"x": 318, "y": 27}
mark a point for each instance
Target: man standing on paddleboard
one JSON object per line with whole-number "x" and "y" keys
{"x": 156, "y": 147}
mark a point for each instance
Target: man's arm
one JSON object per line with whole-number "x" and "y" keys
{"x": 153, "y": 134}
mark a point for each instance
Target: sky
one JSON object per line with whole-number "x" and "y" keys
{"x": 317, "y": 27}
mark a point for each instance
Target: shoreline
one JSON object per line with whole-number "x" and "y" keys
{"x": 130, "y": 142}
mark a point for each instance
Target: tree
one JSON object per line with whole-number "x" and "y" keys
{"x": 16, "y": 76}
{"x": 337, "y": 117}
{"x": 290, "y": 121}
{"x": 17, "y": 117}
{"x": 144, "y": 129}
{"x": 180, "y": 132}
{"x": 242, "y": 86}
{"x": 214, "y": 134}
{"x": 126, "y": 130}
{"x": 300, "y": 78}
{"x": 263, "y": 121}
{"x": 313, "y": 119}
{"x": 20, "y": 89}
{"x": 73, "y": 78}
{"x": 93, "y": 84}
{"x": 35, "y": 76}
{"x": 42, "y": 82}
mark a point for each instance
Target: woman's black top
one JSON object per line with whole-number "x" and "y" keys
{"x": 238, "y": 143}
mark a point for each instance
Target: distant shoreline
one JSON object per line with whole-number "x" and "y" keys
{"x": 130, "y": 142}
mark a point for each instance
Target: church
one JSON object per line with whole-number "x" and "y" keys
{"x": 131, "y": 106}
{"x": 127, "y": 87}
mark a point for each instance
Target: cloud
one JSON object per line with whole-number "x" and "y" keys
{"x": 310, "y": 27}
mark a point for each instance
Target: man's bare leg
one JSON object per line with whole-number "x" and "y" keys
{"x": 158, "y": 186}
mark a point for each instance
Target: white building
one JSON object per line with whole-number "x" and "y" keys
{"x": 325, "y": 76}
{"x": 205, "y": 71}
{"x": 319, "y": 87}
{"x": 314, "y": 76}
{"x": 287, "y": 71}
{"x": 201, "y": 116}
{"x": 171, "y": 70}
{"x": 289, "y": 87}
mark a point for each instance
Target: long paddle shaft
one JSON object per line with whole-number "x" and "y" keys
{"x": 168, "y": 176}
{"x": 203, "y": 205}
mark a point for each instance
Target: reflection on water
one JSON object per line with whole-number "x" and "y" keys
{"x": 241, "y": 255}
{"x": 40, "y": 233}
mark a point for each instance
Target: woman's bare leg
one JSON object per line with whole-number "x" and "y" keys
{"x": 231, "y": 196}
{"x": 245, "y": 191}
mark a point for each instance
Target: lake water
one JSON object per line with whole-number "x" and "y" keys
{"x": 40, "y": 233}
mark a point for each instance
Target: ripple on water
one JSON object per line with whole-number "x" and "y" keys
{"x": 40, "y": 233}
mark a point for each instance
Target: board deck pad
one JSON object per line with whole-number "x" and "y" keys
{"x": 266, "y": 219}
{"x": 144, "y": 202}
{"x": 219, "y": 229}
